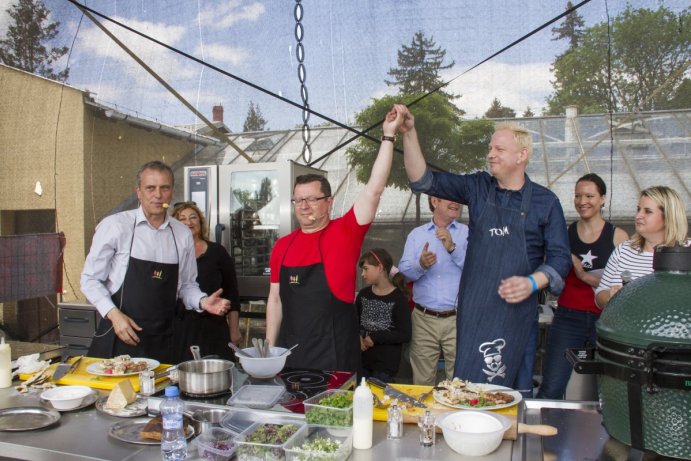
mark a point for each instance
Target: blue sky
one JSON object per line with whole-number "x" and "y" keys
{"x": 349, "y": 47}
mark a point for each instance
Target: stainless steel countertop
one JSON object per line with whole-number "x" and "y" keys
{"x": 83, "y": 435}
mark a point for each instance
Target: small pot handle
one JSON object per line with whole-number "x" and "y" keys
{"x": 195, "y": 352}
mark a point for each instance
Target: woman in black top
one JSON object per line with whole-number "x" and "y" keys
{"x": 215, "y": 269}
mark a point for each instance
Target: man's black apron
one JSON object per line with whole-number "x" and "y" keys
{"x": 325, "y": 327}
{"x": 148, "y": 296}
{"x": 492, "y": 334}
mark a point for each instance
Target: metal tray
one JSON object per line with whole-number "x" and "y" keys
{"x": 86, "y": 402}
{"x": 128, "y": 431}
{"x": 27, "y": 418}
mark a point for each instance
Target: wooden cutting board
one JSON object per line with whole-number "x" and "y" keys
{"x": 81, "y": 377}
{"x": 411, "y": 415}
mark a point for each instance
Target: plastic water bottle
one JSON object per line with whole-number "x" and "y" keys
{"x": 173, "y": 440}
{"x": 363, "y": 402}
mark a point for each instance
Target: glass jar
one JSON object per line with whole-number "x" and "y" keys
{"x": 394, "y": 422}
{"x": 427, "y": 429}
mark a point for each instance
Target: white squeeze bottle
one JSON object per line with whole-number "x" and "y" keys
{"x": 362, "y": 416}
{"x": 5, "y": 364}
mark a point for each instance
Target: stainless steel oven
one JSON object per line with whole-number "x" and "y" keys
{"x": 248, "y": 209}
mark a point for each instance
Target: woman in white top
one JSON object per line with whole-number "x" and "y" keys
{"x": 660, "y": 220}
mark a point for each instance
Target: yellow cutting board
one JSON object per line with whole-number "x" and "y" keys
{"x": 411, "y": 414}
{"x": 81, "y": 377}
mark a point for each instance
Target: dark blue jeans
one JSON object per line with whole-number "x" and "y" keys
{"x": 524, "y": 378}
{"x": 571, "y": 329}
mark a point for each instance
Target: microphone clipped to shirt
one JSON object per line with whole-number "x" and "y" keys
{"x": 625, "y": 278}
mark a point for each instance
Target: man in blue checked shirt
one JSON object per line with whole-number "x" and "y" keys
{"x": 433, "y": 259}
{"x": 518, "y": 244}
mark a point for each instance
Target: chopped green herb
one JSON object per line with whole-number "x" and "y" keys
{"x": 332, "y": 410}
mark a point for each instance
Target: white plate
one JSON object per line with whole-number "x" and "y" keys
{"x": 95, "y": 368}
{"x": 517, "y": 397}
{"x": 136, "y": 408}
{"x": 86, "y": 401}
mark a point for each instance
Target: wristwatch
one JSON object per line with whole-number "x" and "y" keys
{"x": 389, "y": 138}
{"x": 453, "y": 248}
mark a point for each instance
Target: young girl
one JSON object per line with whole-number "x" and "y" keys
{"x": 384, "y": 315}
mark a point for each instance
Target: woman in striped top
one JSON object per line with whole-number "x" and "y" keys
{"x": 660, "y": 220}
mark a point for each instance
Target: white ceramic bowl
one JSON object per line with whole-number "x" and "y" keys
{"x": 263, "y": 367}
{"x": 66, "y": 397}
{"x": 473, "y": 433}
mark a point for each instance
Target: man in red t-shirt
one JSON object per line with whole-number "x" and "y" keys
{"x": 314, "y": 268}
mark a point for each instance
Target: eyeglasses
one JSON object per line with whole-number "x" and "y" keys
{"x": 309, "y": 200}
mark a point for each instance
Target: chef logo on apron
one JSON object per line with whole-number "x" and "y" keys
{"x": 295, "y": 280}
{"x": 157, "y": 274}
{"x": 491, "y": 352}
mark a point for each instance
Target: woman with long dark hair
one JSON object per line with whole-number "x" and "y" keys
{"x": 592, "y": 240}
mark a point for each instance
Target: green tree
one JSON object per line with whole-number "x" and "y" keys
{"x": 418, "y": 67}
{"x": 650, "y": 53}
{"x": 528, "y": 113}
{"x": 682, "y": 97}
{"x": 254, "y": 121}
{"x": 447, "y": 141}
{"x": 28, "y": 34}
{"x": 571, "y": 28}
{"x": 497, "y": 110}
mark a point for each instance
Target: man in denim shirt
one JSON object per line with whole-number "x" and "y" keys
{"x": 518, "y": 244}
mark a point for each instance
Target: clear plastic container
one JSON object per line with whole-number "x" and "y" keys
{"x": 317, "y": 413}
{"x": 216, "y": 444}
{"x": 296, "y": 451}
{"x": 249, "y": 448}
{"x": 257, "y": 396}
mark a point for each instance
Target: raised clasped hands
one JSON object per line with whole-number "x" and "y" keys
{"x": 407, "y": 122}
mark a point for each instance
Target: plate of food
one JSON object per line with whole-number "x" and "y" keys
{"x": 122, "y": 365}
{"x": 131, "y": 410}
{"x": 145, "y": 431}
{"x": 475, "y": 396}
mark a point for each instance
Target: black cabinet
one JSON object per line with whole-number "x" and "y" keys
{"x": 78, "y": 324}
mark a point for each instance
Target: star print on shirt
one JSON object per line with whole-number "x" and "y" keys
{"x": 587, "y": 259}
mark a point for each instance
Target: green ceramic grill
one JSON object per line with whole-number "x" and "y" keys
{"x": 643, "y": 358}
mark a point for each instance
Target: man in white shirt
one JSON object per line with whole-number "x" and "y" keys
{"x": 141, "y": 261}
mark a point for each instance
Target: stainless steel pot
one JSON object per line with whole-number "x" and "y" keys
{"x": 207, "y": 418}
{"x": 205, "y": 377}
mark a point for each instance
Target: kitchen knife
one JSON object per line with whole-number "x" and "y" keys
{"x": 395, "y": 393}
{"x": 65, "y": 368}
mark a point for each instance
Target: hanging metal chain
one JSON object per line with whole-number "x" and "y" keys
{"x": 302, "y": 76}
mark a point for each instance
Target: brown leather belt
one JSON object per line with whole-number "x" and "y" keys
{"x": 438, "y": 314}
